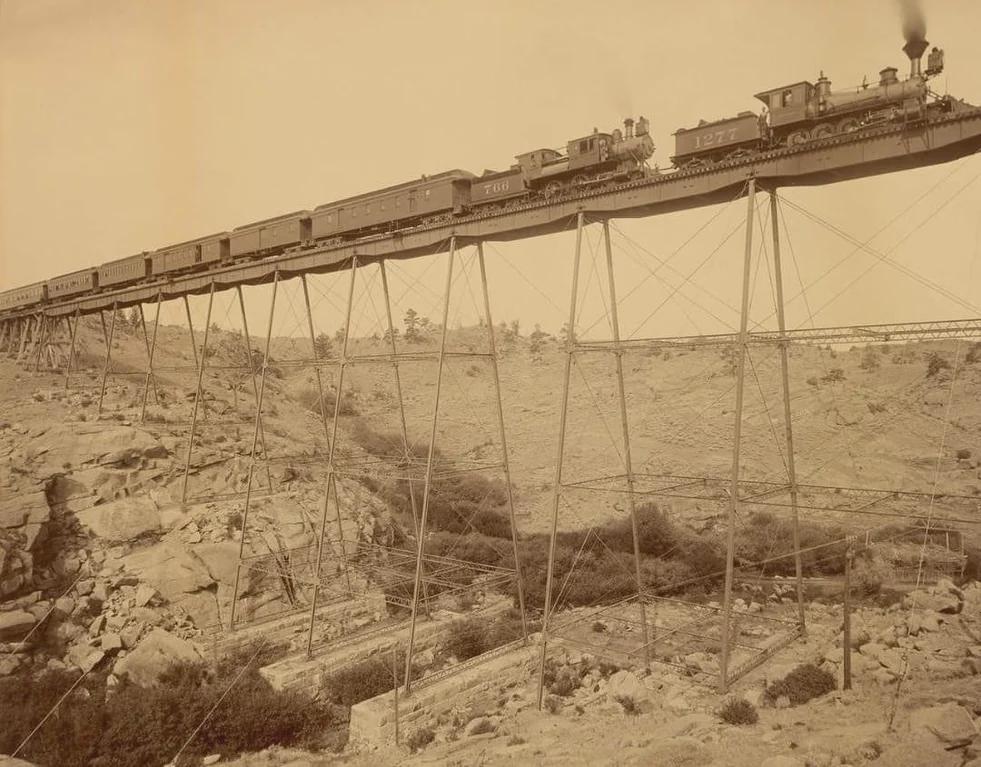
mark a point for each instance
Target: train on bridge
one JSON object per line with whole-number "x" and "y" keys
{"x": 793, "y": 116}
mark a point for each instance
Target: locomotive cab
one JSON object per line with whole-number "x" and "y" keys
{"x": 788, "y": 105}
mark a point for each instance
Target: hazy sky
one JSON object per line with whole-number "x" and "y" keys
{"x": 128, "y": 125}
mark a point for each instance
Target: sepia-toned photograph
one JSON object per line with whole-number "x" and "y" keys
{"x": 434, "y": 382}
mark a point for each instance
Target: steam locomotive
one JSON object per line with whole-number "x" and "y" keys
{"x": 793, "y": 115}
{"x": 801, "y": 112}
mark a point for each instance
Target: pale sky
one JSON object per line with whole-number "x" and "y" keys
{"x": 127, "y": 125}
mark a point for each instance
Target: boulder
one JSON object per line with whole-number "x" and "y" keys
{"x": 26, "y": 508}
{"x": 950, "y": 723}
{"x": 84, "y": 656}
{"x": 123, "y": 519}
{"x": 938, "y": 600}
{"x": 625, "y": 684}
{"x": 15, "y": 625}
{"x": 153, "y": 655}
{"x": 170, "y": 568}
{"x": 80, "y": 444}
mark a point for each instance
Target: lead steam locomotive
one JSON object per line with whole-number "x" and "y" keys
{"x": 793, "y": 116}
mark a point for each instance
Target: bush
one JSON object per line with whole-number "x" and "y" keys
{"x": 767, "y": 537}
{"x": 804, "y": 683}
{"x": 963, "y": 454}
{"x": 366, "y": 679}
{"x": 136, "y": 726}
{"x": 310, "y": 399}
{"x": 628, "y": 704}
{"x": 419, "y": 739}
{"x": 936, "y": 363}
{"x": 553, "y": 704}
{"x": 561, "y": 680}
{"x": 834, "y": 375}
{"x": 466, "y": 639}
{"x": 739, "y": 711}
{"x": 483, "y": 726}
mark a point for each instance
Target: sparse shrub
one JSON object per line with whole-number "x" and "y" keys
{"x": 553, "y": 704}
{"x": 419, "y": 739}
{"x": 628, "y": 704}
{"x": 599, "y": 627}
{"x": 235, "y": 520}
{"x": 768, "y": 537}
{"x": 804, "y": 683}
{"x": 936, "y": 363}
{"x": 309, "y": 398}
{"x": 483, "y": 726}
{"x": 739, "y": 711}
{"x": 812, "y": 381}
{"x": 963, "y": 454}
{"x": 561, "y": 680}
{"x": 366, "y": 679}
{"x": 466, "y": 639}
{"x": 516, "y": 740}
{"x": 870, "y": 359}
{"x": 876, "y": 407}
{"x": 834, "y": 375}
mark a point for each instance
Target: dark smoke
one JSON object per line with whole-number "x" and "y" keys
{"x": 914, "y": 22}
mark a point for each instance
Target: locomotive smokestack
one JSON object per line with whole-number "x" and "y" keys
{"x": 628, "y": 127}
{"x": 914, "y": 31}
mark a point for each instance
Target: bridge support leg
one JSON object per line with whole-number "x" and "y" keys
{"x": 149, "y": 363}
{"x": 330, "y": 484}
{"x": 71, "y": 349}
{"x": 328, "y": 435}
{"x": 260, "y": 392}
{"x": 402, "y": 423}
{"x": 788, "y": 427}
{"x": 197, "y": 397}
{"x": 627, "y": 459}
{"x": 570, "y": 349}
{"x": 733, "y": 512}
{"x": 108, "y": 365}
{"x": 28, "y": 331}
{"x": 4, "y": 335}
{"x": 430, "y": 461}
{"x": 42, "y": 337}
{"x": 149, "y": 354}
{"x": 502, "y": 435}
{"x": 255, "y": 386}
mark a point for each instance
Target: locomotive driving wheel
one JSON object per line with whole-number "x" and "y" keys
{"x": 552, "y": 188}
{"x": 824, "y": 130}
{"x": 798, "y": 137}
{"x": 848, "y": 125}
{"x": 580, "y": 181}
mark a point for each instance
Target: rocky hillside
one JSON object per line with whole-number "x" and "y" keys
{"x": 103, "y": 565}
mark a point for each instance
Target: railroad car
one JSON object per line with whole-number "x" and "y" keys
{"x": 423, "y": 201}
{"x": 720, "y": 139}
{"x": 496, "y": 186}
{"x": 189, "y": 255}
{"x": 124, "y": 270}
{"x": 270, "y": 235}
{"x": 82, "y": 281}
{"x": 19, "y": 298}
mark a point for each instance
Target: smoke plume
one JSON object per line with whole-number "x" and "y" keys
{"x": 914, "y": 22}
